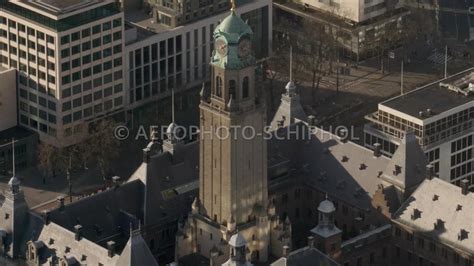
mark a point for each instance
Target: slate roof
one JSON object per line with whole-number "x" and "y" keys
{"x": 290, "y": 110}
{"x": 61, "y": 242}
{"x": 407, "y": 168}
{"x": 304, "y": 257}
{"x": 170, "y": 182}
{"x": 437, "y": 199}
{"x": 344, "y": 170}
{"x": 136, "y": 253}
{"x": 105, "y": 214}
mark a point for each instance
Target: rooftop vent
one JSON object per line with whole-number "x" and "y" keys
{"x": 439, "y": 225}
{"x": 416, "y": 214}
{"x": 397, "y": 170}
{"x": 345, "y": 159}
{"x": 377, "y": 149}
{"x": 466, "y": 91}
{"x": 465, "y": 186}
{"x": 463, "y": 234}
{"x": 429, "y": 171}
{"x": 459, "y": 207}
{"x": 435, "y": 197}
{"x": 362, "y": 166}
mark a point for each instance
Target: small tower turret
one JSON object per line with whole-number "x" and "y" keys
{"x": 328, "y": 237}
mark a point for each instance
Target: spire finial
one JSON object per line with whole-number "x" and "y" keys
{"x": 13, "y": 153}
{"x": 233, "y": 6}
{"x": 172, "y": 106}
{"x": 291, "y": 63}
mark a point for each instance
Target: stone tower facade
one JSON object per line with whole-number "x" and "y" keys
{"x": 233, "y": 192}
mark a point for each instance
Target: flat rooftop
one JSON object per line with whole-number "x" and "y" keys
{"x": 17, "y": 133}
{"x": 58, "y": 7}
{"x": 147, "y": 26}
{"x": 436, "y": 97}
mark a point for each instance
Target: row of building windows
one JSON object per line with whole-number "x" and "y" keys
{"x": 461, "y": 144}
{"x": 461, "y": 171}
{"x": 90, "y": 111}
{"x": 87, "y": 32}
{"x": 461, "y": 157}
{"x": 86, "y": 46}
{"x": 89, "y": 98}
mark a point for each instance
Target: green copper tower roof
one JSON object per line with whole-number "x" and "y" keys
{"x": 233, "y": 28}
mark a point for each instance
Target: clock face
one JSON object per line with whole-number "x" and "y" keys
{"x": 221, "y": 47}
{"x": 245, "y": 48}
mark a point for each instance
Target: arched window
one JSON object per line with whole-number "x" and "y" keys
{"x": 232, "y": 89}
{"x": 245, "y": 88}
{"x": 219, "y": 86}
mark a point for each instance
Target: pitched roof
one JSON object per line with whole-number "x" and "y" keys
{"x": 61, "y": 242}
{"x": 290, "y": 110}
{"x": 437, "y": 200}
{"x": 407, "y": 168}
{"x": 136, "y": 253}
{"x": 170, "y": 182}
{"x": 305, "y": 256}
{"x": 344, "y": 170}
{"x": 104, "y": 214}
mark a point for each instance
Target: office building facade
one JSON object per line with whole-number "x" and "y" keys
{"x": 441, "y": 116}
{"x": 69, "y": 62}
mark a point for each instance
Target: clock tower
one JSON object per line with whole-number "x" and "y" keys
{"x": 233, "y": 191}
{"x": 233, "y": 168}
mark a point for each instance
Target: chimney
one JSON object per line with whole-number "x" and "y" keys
{"x": 286, "y": 251}
{"x": 77, "y": 232}
{"x": 311, "y": 241}
{"x": 465, "y": 186}
{"x": 111, "y": 248}
{"x": 429, "y": 172}
{"x": 377, "y": 149}
{"x": 45, "y": 215}
{"x": 60, "y": 200}
{"x": 146, "y": 155}
{"x": 312, "y": 120}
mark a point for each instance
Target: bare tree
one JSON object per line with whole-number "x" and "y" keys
{"x": 102, "y": 146}
{"x": 48, "y": 159}
{"x": 315, "y": 50}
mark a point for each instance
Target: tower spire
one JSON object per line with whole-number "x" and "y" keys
{"x": 291, "y": 63}
{"x": 233, "y": 6}
{"x": 13, "y": 153}
{"x": 172, "y": 106}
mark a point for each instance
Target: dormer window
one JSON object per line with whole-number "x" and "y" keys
{"x": 397, "y": 170}
{"x": 463, "y": 234}
{"x": 439, "y": 225}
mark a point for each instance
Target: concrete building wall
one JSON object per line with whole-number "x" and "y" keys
{"x": 58, "y": 88}
{"x": 355, "y": 10}
{"x": 8, "y": 106}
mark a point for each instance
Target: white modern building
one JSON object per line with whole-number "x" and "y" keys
{"x": 354, "y": 10}
{"x": 69, "y": 60}
{"x": 159, "y": 57}
{"x": 441, "y": 115}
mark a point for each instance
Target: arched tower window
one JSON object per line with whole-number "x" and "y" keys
{"x": 219, "y": 86}
{"x": 245, "y": 88}
{"x": 232, "y": 89}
